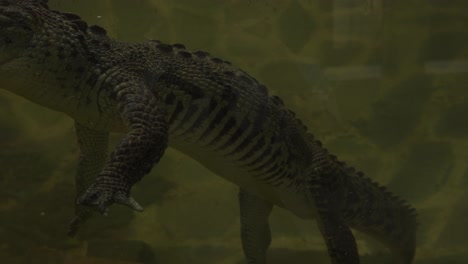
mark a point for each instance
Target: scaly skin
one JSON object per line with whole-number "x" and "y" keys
{"x": 159, "y": 95}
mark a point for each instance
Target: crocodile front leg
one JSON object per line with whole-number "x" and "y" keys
{"x": 138, "y": 151}
{"x": 93, "y": 155}
{"x": 255, "y": 230}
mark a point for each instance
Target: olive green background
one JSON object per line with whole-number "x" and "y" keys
{"x": 382, "y": 83}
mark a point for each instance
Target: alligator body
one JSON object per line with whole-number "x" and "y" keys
{"x": 160, "y": 95}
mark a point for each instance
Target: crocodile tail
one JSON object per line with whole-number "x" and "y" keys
{"x": 371, "y": 209}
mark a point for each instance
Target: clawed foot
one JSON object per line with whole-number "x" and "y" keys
{"x": 101, "y": 198}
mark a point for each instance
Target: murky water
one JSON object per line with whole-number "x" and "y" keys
{"x": 382, "y": 83}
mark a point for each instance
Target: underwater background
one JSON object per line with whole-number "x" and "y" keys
{"x": 383, "y": 83}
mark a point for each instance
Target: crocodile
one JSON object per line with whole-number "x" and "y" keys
{"x": 161, "y": 95}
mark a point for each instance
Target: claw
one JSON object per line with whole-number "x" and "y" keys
{"x": 102, "y": 209}
{"x": 100, "y": 199}
{"x": 80, "y": 217}
{"x": 74, "y": 226}
{"x": 127, "y": 201}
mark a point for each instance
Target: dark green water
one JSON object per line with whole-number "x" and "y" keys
{"x": 384, "y": 84}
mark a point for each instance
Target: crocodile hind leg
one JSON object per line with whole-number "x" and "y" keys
{"x": 93, "y": 155}
{"x": 338, "y": 237}
{"x": 255, "y": 230}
